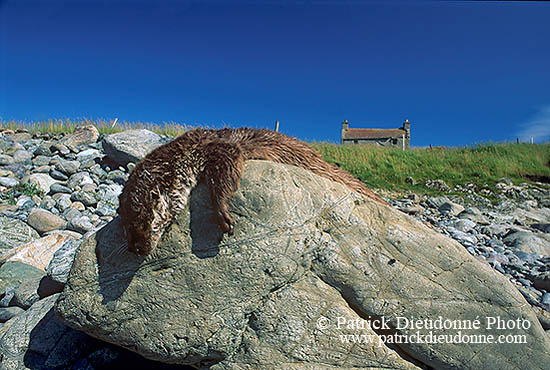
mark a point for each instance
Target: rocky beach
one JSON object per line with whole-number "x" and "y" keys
{"x": 57, "y": 190}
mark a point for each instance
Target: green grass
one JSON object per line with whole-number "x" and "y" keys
{"x": 482, "y": 165}
{"x": 381, "y": 168}
{"x": 27, "y": 189}
{"x": 57, "y": 126}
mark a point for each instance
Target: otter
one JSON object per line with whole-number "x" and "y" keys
{"x": 160, "y": 184}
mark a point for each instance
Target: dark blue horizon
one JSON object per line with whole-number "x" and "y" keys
{"x": 460, "y": 72}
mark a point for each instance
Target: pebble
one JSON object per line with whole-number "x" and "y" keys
{"x": 59, "y": 188}
{"x": 58, "y": 175}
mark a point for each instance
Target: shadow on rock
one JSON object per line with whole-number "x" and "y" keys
{"x": 205, "y": 233}
{"x": 116, "y": 265}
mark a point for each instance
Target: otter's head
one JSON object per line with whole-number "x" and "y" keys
{"x": 143, "y": 219}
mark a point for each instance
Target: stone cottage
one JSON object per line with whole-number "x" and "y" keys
{"x": 395, "y": 137}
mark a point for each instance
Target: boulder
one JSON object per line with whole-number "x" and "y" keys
{"x": 309, "y": 266}
{"x": 41, "y": 180}
{"x": 14, "y": 233}
{"x": 37, "y": 253}
{"x": 14, "y": 273}
{"x": 81, "y": 136}
{"x": 528, "y": 242}
{"x": 36, "y": 339}
{"x": 60, "y": 264}
{"x": 43, "y": 221}
{"x": 131, "y": 145}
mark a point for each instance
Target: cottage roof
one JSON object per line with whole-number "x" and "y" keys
{"x": 372, "y": 133}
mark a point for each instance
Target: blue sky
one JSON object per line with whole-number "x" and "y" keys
{"x": 460, "y": 72}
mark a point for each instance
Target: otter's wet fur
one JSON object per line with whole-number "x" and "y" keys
{"x": 160, "y": 184}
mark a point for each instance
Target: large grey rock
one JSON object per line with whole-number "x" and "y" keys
{"x": 8, "y": 182}
{"x": 450, "y": 208}
{"x": 41, "y": 180}
{"x": 14, "y": 233}
{"x": 60, "y": 265}
{"x": 436, "y": 202}
{"x": 131, "y": 146}
{"x": 21, "y": 156}
{"x": 526, "y": 241}
{"x": 306, "y": 253}
{"x": 87, "y": 198}
{"x": 82, "y": 136}
{"x": 37, "y": 253}
{"x": 14, "y": 273}
{"x": 5, "y": 159}
{"x": 44, "y": 221}
{"x": 37, "y": 339}
{"x": 67, "y": 167}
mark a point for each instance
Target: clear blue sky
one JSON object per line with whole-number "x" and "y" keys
{"x": 461, "y": 72}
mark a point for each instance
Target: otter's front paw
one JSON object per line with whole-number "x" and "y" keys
{"x": 225, "y": 221}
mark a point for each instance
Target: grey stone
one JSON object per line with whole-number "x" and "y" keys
{"x": 19, "y": 137}
{"x": 498, "y": 230}
{"x": 71, "y": 213}
{"x": 63, "y": 202}
{"x": 85, "y": 197}
{"x": 88, "y": 154}
{"x": 542, "y": 227}
{"x": 22, "y": 156}
{"x": 41, "y": 180}
{"x": 475, "y": 215}
{"x": 27, "y": 293}
{"x": 43, "y": 221}
{"x": 9, "y": 293}
{"x": 7, "y": 313}
{"x": 5, "y": 159}
{"x": 8, "y": 182}
{"x": 84, "y": 135}
{"x": 526, "y": 256}
{"x": 59, "y": 267}
{"x": 118, "y": 176}
{"x": 43, "y": 150}
{"x": 108, "y": 194}
{"x": 41, "y": 160}
{"x": 130, "y": 145}
{"x": 78, "y": 180}
{"x": 58, "y": 147}
{"x": 436, "y": 202}
{"x": 67, "y": 167}
{"x": 462, "y": 237}
{"x": 47, "y": 203}
{"x": 450, "y": 208}
{"x": 13, "y": 273}
{"x": 304, "y": 249}
{"x": 542, "y": 281}
{"x": 526, "y": 241}
{"x": 545, "y": 299}
{"x": 14, "y": 233}
{"x": 58, "y": 175}
{"x": 81, "y": 224}
{"x": 36, "y": 339}
{"x": 464, "y": 225}
{"x": 98, "y": 171}
{"x": 59, "y": 188}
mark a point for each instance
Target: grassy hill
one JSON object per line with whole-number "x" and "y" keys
{"x": 384, "y": 168}
{"x": 482, "y": 165}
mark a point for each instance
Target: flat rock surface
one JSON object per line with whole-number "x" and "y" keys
{"x": 15, "y": 232}
{"x": 306, "y": 254}
{"x": 131, "y": 145}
